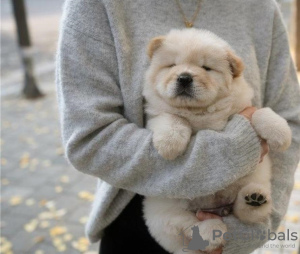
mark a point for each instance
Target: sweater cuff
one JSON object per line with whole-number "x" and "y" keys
{"x": 244, "y": 238}
{"x": 245, "y": 147}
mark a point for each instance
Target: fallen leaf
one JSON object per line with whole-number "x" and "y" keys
{"x": 83, "y": 220}
{"x": 65, "y": 179}
{"x": 281, "y": 228}
{"x": 5, "y": 247}
{"x": 297, "y": 202}
{"x": 55, "y": 231}
{"x": 58, "y": 189}
{"x": 60, "y": 151}
{"x": 297, "y": 186}
{"x": 86, "y": 195}
{"x": 59, "y": 213}
{"x": 83, "y": 240}
{"x": 5, "y": 181}
{"x": 293, "y": 219}
{"x": 33, "y": 163}
{"x": 44, "y": 224}
{"x": 15, "y": 200}
{"x": 43, "y": 202}
{"x": 3, "y": 161}
{"x": 67, "y": 237}
{"x": 39, "y": 239}
{"x": 50, "y": 205}
{"x": 61, "y": 248}
{"x": 46, "y": 163}
{"x": 57, "y": 241}
{"x": 30, "y": 117}
{"x": 81, "y": 244}
{"x": 24, "y": 161}
{"x": 30, "y": 202}
{"x": 31, "y": 226}
{"x": 29, "y": 141}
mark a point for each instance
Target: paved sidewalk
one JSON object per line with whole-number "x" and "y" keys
{"x": 44, "y": 201}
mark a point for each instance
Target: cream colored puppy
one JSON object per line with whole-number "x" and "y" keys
{"x": 195, "y": 82}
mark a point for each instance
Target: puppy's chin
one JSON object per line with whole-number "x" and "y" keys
{"x": 187, "y": 101}
{"x": 196, "y": 97}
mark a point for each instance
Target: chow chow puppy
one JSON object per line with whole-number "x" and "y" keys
{"x": 194, "y": 82}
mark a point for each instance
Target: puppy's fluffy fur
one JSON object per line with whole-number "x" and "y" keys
{"x": 195, "y": 81}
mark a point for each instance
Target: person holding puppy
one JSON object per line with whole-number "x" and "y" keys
{"x": 101, "y": 63}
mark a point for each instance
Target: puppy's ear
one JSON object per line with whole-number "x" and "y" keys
{"x": 154, "y": 44}
{"x": 236, "y": 64}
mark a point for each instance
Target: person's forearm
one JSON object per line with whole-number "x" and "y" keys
{"x": 123, "y": 155}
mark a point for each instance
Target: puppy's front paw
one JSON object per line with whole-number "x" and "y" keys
{"x": 207, "y": 235}
{"x": 272, "y": 128}
{"x": 171, "y": 144}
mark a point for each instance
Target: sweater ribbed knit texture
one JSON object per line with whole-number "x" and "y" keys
{"x": 101, "y": 63}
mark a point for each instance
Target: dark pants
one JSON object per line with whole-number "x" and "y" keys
{"x": 129, "y": 234}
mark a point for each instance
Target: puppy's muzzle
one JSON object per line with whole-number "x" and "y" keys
{"x": 184, "y": 85}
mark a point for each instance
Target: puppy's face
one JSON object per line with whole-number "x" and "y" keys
{"x": 191, "y": 68}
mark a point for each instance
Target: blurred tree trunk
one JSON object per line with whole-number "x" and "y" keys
{"x": 30, "y": 90}
{"x": 298, "y": 35}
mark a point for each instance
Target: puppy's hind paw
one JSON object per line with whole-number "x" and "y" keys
{"x": 255, "y": 199}
{"x": 253, "y": 203}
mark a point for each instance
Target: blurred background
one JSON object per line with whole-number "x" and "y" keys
{"x": 44, "y": 202}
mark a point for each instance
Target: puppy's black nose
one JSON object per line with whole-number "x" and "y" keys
{"x": 185, "y": 79}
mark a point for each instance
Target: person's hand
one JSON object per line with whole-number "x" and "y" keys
{"x": 265, "y": 149}
{"x": 248, "y": 112}
{"x": 207, "y": 216}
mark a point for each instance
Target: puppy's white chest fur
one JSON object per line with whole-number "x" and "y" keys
{"x": 210, "y": 118}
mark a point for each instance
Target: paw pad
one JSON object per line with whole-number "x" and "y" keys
{"x": 255, "y": 199}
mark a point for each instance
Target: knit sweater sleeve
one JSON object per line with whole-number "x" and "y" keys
{"x": 100, "y": 141}
{"x": 283, "y": 96}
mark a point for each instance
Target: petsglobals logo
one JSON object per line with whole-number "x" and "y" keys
{"x": 256, "y": 234}
{"x": 197, "y": 242}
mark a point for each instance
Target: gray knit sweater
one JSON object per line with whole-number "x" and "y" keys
{"x": 101, "y": 63}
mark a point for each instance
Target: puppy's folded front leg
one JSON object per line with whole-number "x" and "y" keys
{"x": 273, "y": 128}
{"x": 171, "y": 135}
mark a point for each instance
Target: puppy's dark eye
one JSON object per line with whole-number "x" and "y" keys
{"x": 206, "y": 68}
{"x": 171, "y": 65}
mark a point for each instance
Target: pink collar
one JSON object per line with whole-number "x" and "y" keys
{"x": 221, "y": 211}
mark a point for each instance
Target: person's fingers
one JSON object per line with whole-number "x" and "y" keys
{"x": 265, "y": 149}
{"x": 248, "y": 112}
{"x": 206, "y": 216}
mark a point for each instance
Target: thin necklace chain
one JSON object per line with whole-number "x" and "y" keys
{"x": 188, "y": 23}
